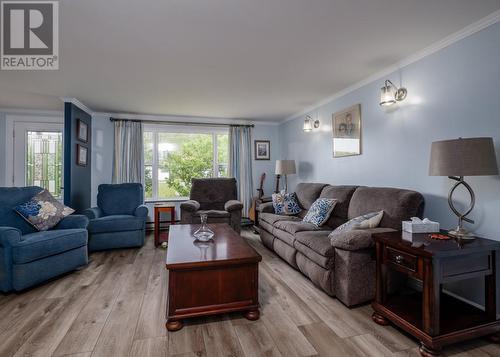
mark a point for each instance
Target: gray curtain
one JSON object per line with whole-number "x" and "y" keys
{"x": 128, "y": 158}
{"x": 240, "y": 163}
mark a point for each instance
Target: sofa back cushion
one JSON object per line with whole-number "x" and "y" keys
{"x": 213, "y": 193}
{"x": 307, "y": 193}
{"x": 118, "y": 199}
{"x": 11, "y": 197}
{"x": 398, "y": 204}
{"x": 343, "y": 195}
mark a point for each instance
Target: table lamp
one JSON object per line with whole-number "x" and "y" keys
{"x": 458, "y": 158}
{"x": 284, "y": 168}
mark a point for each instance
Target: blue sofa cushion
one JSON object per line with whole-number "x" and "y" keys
{"x": 39, "y": 245}
{"x": 11, "y": 197}
{"x": 116, "y": 223}
{"x": 43, "y": 211}
{"x": 114, "y": 199}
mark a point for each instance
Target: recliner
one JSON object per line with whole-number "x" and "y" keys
{"x": 119, "y": 220}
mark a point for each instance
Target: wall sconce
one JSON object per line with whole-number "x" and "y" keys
{"x": 390, "y": 94}
{"x": 309, "y": 124}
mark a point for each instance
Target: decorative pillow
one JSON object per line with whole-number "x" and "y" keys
{"x": 286, "y": 203}
{"x": 366, "y": 221}
{"x": 320, "y": 211}
{"x": 43, "y": 211}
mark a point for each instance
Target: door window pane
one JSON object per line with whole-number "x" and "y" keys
{"x": 44, "y": 161}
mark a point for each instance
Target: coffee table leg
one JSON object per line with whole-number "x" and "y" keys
{"x": 252, "y": 315}
{"x": 174, "y": 325}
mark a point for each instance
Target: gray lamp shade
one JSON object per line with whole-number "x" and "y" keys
{"x": 463, "y": 157}
{"x": 285, "y": 167}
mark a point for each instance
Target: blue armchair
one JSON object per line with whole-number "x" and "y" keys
{"x": 119, "y": 220}
{"x": 29, "y": 257}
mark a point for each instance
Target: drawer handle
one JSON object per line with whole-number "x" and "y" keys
{"x": 399, "y": 259}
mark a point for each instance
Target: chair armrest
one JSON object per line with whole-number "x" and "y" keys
{"x": 266, "y": 207}
{"x": 356, "y": 239}
{"x": 9, "y": 236}
{"x": 93, "y": 213}
{"x": 73, "y": 221}
{"x": 233, "y": 205}
{"x": 190, "y": 206}
{"x": 141, "y": 211}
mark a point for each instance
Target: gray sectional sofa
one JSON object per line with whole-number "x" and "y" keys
{"x": 341, "y": 264}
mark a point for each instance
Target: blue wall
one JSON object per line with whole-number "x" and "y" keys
{"x": 452, "y": 93}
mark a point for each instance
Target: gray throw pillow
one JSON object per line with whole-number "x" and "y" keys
{"x": 365, "y": 221}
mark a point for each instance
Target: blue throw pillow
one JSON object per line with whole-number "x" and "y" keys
{"x": 320, "y": 211}
{"x": 286, "y": 204}
{"x": 366, "y": 221}
{"x": 43, "y": 211}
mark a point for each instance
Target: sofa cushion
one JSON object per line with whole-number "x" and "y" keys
{"x": 398, "y": 204}
{"x": 115, "y": 199}
{"x": 213, "y": 193}
{"x": 316, "y": 246}
{"x": 116, "y": 223}
{"x": 307, "y": 193}
{"x": 343, "y": 195}
{"x": 320, "y": 211}
{"x": 43, "y": 211}
{"x": 40, "y": 245}
{"x": 293, "y": 227}
{"x": 356, "y": 239}
{"x": 213, "y": 213}
{"x": 10, "y": 197}
{"x": 272, "y": 218}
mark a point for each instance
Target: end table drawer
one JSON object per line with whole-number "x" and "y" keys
{"x": 401, "y": 259}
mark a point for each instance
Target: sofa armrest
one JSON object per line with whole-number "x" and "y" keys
{"x": 73, "y": 221}
{"x": 9, "y": 236}
{"x": 233, "y": 205}
{"x": 190, "y": 206}
{"x": 93, "y": 213}
{"x": 141, "y": 211}
{"x": 266, "y": 207}
{"x": 356, "y": 239}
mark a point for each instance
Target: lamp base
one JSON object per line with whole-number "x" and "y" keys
{"x": 461, "y": 233}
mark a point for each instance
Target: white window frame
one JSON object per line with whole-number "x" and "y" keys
{"x": 165, "y": 128}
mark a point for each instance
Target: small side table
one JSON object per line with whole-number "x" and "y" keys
{"x": 435, "y": 318}
{"x": 258, "y": 202}
{"x": 158, "y": 209}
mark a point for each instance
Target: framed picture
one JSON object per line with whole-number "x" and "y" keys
{"x": 346, "y": 130}
{"x": 81, "y": 155}
{"x": 262, "y": 150}
{"x": 82, "y": 132}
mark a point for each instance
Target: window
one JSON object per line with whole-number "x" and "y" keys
{"x": 174, "y": 155}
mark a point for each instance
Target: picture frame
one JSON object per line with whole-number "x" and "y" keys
{"x": 346, "y": 132}
{"x": 82, "y": 131}
{"x": 81, "y": 155}
{"x": 262, "y": 150}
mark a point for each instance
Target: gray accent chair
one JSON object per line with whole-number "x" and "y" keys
{"x": 216, "y": 197}
{"x": 119, "y": 220}
{"x": 341, "y": 264}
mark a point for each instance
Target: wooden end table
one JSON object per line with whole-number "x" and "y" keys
{"x": 435, "y": 318}
{"x": 207, "y": 278}
{"x": 158, "y": 209}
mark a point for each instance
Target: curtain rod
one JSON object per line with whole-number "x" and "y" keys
{"x": 181, "y": 122}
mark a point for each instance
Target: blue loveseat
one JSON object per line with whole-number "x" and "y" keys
{"x": 29, "y": 257}
{"x": 119, "y": 220}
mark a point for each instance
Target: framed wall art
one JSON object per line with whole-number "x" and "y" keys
{"x": 262, "y": 150}
{"x": 82, "y": 132}
{"x": 81, "y": 155}
{"x": 346, "y": 131}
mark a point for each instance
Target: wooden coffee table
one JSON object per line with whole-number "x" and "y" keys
{"x": 210, "y": 278}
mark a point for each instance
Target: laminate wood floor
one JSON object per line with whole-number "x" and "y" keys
{"x": 116, "y": 307}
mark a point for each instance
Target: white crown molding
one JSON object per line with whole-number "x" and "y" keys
{"x": 467, "y": 31}
{"x": 77, "y": 103}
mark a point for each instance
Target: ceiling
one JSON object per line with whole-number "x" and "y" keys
{"x": 245, "y": 59}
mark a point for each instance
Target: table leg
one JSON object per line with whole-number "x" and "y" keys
{"x": 157, "y": 227}
{"x": 426, "y": 351}
{"x": 490, "y": 290}
{"x": 252, "y": 315}
{"x": 174, "y": 325}
{"x": 431, "y": 297}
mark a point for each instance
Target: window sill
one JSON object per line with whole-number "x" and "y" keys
{"x": 175, "y": 199}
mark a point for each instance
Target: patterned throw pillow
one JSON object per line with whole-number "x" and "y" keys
{"x": 43, "y": 211}
{"x": 366, "y": 221}
{"x": 320, "y": 211}
{"x": 286, "y": 204}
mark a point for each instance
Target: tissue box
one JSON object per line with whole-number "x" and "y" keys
{"x": 420, "y": 227}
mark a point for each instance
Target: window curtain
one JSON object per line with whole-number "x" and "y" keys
{"x": 240, "y": 163}
{"x": 128, "y": 158}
